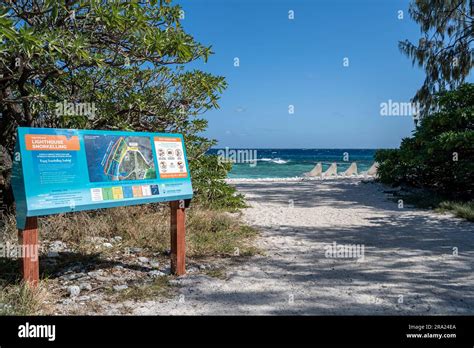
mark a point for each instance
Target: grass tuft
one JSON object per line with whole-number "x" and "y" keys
{"x": 431, "y": 200}
{"x": 23, "y": 299}
{"x": 214, "y": 233}
{"x": 463, "y": 210}
{"x": 159, "y": 288}
{"x": 218, "y": 273}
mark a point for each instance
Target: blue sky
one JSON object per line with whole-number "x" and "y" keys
{"x": 300, "y": 62}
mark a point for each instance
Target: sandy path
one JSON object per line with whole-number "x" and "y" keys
{"x": 408, "y": 265}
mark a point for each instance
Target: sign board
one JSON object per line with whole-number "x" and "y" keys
{"x": 66, "y": 170}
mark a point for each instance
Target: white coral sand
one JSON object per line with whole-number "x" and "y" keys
{"x": 415, "y": 261}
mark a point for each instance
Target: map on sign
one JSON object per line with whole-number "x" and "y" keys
{"x": 65, "y": 170}
{"x": 116, "y": 158}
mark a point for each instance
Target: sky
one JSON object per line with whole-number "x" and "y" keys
{"x": 300, "y": 62}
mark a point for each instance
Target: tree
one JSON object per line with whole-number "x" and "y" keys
{"x": 445, "y": 51}
{"x": 439, "y": 156}
{"x": 127, "y": 58}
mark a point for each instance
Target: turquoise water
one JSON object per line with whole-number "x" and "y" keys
{"x": 286, "y": 163}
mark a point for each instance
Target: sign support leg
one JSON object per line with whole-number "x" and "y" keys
{"x": 28, "y": 240}
{"x": 178, "y": 244}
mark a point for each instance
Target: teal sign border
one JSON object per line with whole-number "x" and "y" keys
{"x": 49, "y": 181}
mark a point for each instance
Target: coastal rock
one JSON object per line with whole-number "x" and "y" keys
{"x": 120, "y": 287}
{"x": 143, "y": 259}
{"x": 100, "y": 276}
{"x": 73, "y": 276}
{"x": 95, "y": 273}
{"x": 57, "y": 245}
{"x": 85, "y": 286}
{"x": 96, "y": 240}
{"x": 156, "y": 274}
{"x": 103, "y": 279}
{"x": 117, "y": 239}
{"x": 154, "y": 264}
{"x": 135, "y": 250}
{"x": 73, "y": 290}
{"x": 5, "y": 307}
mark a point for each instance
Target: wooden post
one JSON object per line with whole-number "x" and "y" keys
{"x": 28, "y": 239}
{"x": 178, "y": 234}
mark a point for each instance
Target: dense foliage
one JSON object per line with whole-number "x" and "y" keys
{"x": 209, "y": 173}
{"x": 445, "y": 50}
{"x": 127, "y": 58}
{"x": 440, "y": 154}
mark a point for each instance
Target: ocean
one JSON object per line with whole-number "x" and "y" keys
{"x": 288, "y": 163}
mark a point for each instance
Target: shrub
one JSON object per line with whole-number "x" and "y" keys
{"x": 209, "y": 186}
{"x": 440, "y": 154}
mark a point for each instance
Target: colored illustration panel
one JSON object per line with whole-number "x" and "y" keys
{"x": 115, "y": 158}
{"x": 170, "y": 157}
{"x": 67, "y": 170}
{"x": 127, "y": 192}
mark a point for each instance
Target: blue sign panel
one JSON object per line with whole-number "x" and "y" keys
{"x": 66, "y": 170}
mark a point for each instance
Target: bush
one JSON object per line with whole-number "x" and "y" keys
{"x": 440, "y": 154}
{"x": 208, "y": 175}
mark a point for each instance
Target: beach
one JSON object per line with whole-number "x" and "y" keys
{"x": 306, "y": 160}
{"x": 408, "y": 261}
